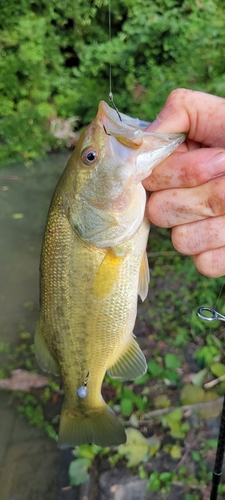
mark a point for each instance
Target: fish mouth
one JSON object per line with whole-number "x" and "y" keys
{"x": 128, "y": 131}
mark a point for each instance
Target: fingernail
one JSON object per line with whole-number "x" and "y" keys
{"x": 216, "y": 166}
{"x": 153, "y": 126}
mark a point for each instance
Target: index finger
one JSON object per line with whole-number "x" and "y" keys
{"x": 199, "y": 115}
{"x": 187, "y": 169}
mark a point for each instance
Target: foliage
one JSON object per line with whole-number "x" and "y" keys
{"x": 166, "y": 443}
{"x": 79, "y": 468}
{"x": 55, "y": 61}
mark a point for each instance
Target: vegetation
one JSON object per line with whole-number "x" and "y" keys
{"x": 171, "y": 441}
{"x": 55, "y": 61}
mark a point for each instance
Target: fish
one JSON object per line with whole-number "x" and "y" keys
{"x": 93, "y": 267}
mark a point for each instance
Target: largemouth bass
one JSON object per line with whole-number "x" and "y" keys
{"x": 93, "y": 266}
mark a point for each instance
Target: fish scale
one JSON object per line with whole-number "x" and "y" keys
{"x": 93, "y": 266}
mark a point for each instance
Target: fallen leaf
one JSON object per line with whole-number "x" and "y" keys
{"x": 176, "y": 452}
{"x": 191, "y": 394}
{"x": 218, "y": 369}
{"x": 22, "y": 380}
{"x": 154, "y": 444}
{"x": 162, "y": 401}
{"x": 135, "y": 448}
{"x": 199, "y": 377}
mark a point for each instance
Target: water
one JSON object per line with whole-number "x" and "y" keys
{"x": 29, "y": 461}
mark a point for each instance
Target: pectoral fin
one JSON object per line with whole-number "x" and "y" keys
{"x": 144, "y": 278}
{"x": 43, "y": 355}
{"x": 107, "y": 274}
{"x": 131, "y": 365}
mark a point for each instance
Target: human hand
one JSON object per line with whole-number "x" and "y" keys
{"x": 189, "y": 186}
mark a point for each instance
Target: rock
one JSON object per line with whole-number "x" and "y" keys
{"x": 121, "y": 485}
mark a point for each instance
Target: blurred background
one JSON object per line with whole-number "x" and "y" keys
{"x": 54, "y": 69}
{"x": 55, "y": 63}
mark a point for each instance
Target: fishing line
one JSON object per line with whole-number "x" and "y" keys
{"x": 110, "y": 63}
{"x": 219, "y": 295}
{"x": 217, "y": 471}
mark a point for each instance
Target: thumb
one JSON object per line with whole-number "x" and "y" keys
{"x": 199, "y": 115}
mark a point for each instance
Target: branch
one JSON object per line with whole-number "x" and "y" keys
{"x": 214, "y": 382}
{"x": 164, "y": 254}
{"x": 196, "y": 406}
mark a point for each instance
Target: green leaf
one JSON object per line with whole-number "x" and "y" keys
{"x": 142, "y": 472}
{"x": 126, "y": 407}
{"x": 142, "y": 380}
{"x": 176, "y": 452}
{"x": 172, "y": 376}
{"x": 154, "y": 368}
{"x": 172, "y": 361}
{"x": 85, "y": 451}
{"x": 154, "y": 482}
{"x": 218, "y": 369}
{"x": 196, "y": 456}
{"x": 78, "y": 471}
{"x": 174, "y": 421}
{"x": 135, "y": 448}
{"x": 165, "y": 476}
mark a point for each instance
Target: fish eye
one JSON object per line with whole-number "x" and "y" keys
{"x": 89, "y": 156}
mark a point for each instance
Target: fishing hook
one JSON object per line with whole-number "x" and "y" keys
{"x": 113, "y": 103}
{"x": 106, "y": 130}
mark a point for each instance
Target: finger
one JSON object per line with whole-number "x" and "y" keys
{"x": 187, "y": 169}
{"x": 211, "y": 263}
{"x": 199, "y": 237}
{"x": 198, "y": 114}
{"x": 173, "y": 207}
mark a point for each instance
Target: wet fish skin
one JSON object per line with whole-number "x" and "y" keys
{"x": 93, "y": 265}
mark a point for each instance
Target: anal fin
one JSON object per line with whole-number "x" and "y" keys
{"x": 130, "y": 365}
{"x": 43, "y": 355}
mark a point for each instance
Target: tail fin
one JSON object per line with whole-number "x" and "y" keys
{"x": 99, "y": 426}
